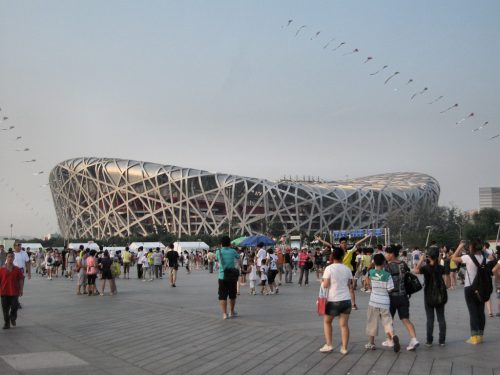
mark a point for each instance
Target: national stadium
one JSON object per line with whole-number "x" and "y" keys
{"x": 104, "y": 197}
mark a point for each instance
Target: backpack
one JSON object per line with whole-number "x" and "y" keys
{"x": 482, "y": 286}
{"x": 411, "y": 282}
{"x": 437, "y": 294}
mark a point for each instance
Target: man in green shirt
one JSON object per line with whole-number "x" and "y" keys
{"x": 227, "y": 257}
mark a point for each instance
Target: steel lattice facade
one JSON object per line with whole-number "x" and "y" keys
{"x": 101, "y": 197}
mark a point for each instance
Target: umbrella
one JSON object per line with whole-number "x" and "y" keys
{"x": 254, "y": 240}
{"x": 238, "y": 240}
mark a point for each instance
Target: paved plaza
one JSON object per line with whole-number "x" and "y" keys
{"x": 150, "y": 328}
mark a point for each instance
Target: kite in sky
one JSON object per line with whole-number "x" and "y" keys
{"x": 30, "y": 161}
{"x": 419, "y": 93}
{"x": 437, "y": 99}
{"x": 492, "y": 138}
{"x": 9, "y": 128}
{"x": 327, "y": 44}
{"x": 481, "y": 127}
{"x": 340, "y": 45}
{"x": 315, "y": 35}
{"x": 26, "y": 149}
{"x": 391, "y": 77}
{"x": 465, "y": 118}
{"x": 378, "y": 71}
{"x": 5, "y": 118}
{"x": 449, "y": 108}
{"x": 355, "y": 50}
{"x": 288, "y": 23}
{"x": 38, "y": 173}
{"x": 18, "y": 138}
{"x": 367, "y": 59}
{"x": 299, "y": 29}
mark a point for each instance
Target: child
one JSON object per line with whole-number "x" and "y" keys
{"x": 378, "y": 307}
{"x": 252, "y": 276}
{"x": 263, "y": 277}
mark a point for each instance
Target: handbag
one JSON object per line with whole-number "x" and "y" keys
{"x": 412, "y": 283}
{"x": 230, "y": 274}
{"x": 322, "y": 300}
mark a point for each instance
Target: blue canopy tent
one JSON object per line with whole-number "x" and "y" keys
{"x": 254, "y": 240}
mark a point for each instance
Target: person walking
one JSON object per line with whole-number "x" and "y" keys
{"x": 435, "y": 294}
{"x": 106, "y": 274}
{"x": 138, "y": 260}
{"x": 173, "y": 264}
{"x": 227, "y": 258}
{"x": 378, "y": 307}
{"x": 3, "y": 255}
{"x": 211, "y": 261}
{"x": 158, "y": 263}
{"x": 288, "y": 266}
{"x": 398, "y": 297}
{"x": 304, "y": 266}
{"x": 126, "y": 258}
{"x": 337, "y": 278}
{"x": 91, "y": 273}
{"x": 11, "y": 288}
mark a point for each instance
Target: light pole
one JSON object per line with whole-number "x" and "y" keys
{"x": 428, "y": 234}
{"x": 498, "y": 233}
{"x": 11, "y": 225}
{"x": 400, "y": 234}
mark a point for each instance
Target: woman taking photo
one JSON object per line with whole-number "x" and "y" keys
{"x": 337, "y": 279}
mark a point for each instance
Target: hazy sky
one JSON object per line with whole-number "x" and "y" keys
{"x": 222, "y": 86}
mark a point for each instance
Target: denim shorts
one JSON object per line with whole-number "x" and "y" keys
{"x": 336, "y": 308}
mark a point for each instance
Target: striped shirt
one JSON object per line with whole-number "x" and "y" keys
{"x": 381, "y": 285}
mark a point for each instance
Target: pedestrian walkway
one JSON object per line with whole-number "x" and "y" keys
{"x": 151, "y": 328}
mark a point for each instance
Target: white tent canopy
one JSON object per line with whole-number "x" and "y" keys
{"x": 134, "y": 246}
{"x": 190, "y": 246}
{"x": 87, "y": 245}
{"x": 31, "y": 246}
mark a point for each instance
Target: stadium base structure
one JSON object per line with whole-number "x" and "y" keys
{"x": 104, "y": 197}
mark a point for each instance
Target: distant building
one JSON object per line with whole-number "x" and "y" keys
{"x": 489, "y": 197}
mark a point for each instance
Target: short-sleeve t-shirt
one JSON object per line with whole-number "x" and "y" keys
{"x": 229, "y": 256}
{"x": 348, "y": 258}
{"x": 106, "y": 264}
{"x": 127, "y": 256}
{"x": 471, "y": 268}
{"x": 173, "y": 258}
{"x": 91, "y": 268}
{"x": 20, "y": 259}
{"x": 9, "y": 281}
{"x": 261, "y": 254}
{"x": 382, "y": 284}
{"x": 339, "y": 276}
{"x": 273, "y": 262}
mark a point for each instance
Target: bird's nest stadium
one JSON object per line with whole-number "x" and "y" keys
{"x": 103, "y": 197}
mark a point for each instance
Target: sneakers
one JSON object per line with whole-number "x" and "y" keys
{"x": 396, "y": 344}
{"x": 343, "y": 351}
{"x": 234, "y": 314}
{"x": 388, "y": 343}
{"x": 428, "y": 344}
{"x": 326, "y": 349}
{"x": 13, "y": 322}
{"x": 442, "y": 344}
{"x": 6, "y": 326}
{"x": 412, "y": 345}
{"x": 370, "y": 346}
{"x": 473, "y": 340}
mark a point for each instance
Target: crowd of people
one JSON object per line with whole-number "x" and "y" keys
{"x": 383, "y": 271}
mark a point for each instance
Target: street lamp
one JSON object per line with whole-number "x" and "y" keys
{"x": 428, "y": 234}
{"x": 498, "y": 232}
{"x": 11, "y": 225}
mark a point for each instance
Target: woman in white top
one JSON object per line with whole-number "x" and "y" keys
{"x": 337, "y": 279}
{"x": 475, "y": 307}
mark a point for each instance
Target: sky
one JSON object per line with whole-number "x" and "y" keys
{"x": 225, "y": 86}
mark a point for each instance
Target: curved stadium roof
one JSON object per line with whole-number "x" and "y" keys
{"x": 101, "y": 197}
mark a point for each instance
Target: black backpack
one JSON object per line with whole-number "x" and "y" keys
{"x": 437, "y": 294}
{"x": 482, "y": 286}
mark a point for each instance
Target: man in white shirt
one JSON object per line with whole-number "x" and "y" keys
{"x": 21, "y": 259}
{"x": 261, "y": 254}
{"x": 138, "y": 258}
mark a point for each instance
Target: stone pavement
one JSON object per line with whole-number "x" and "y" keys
{"x": 150, "y": 328}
